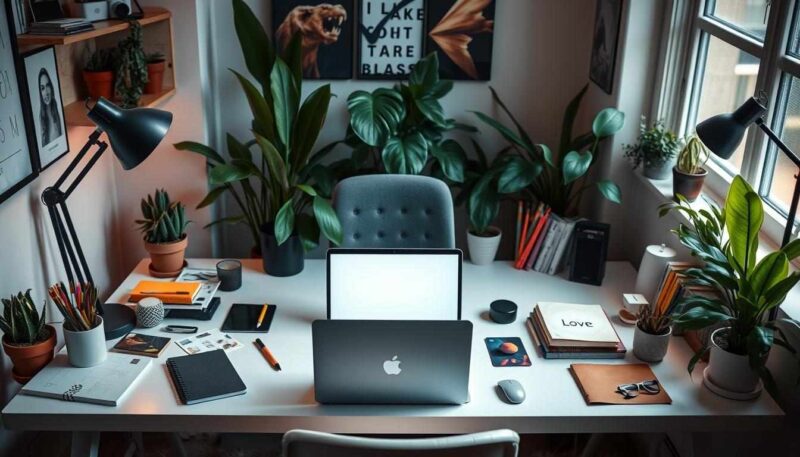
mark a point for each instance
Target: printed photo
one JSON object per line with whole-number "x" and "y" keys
{"x": 47, "y": 108}
{"x": 604, "y": 44}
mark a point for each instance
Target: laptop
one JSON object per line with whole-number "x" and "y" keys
{"x": 394, "y": 284}
{"x": 391, "y": 362}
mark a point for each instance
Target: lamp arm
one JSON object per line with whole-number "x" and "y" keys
{"x": 778, "y": 142}
{"x": 91, "y": 142}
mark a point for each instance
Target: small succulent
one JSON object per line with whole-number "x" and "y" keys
{"x": 656, "y": 145}
{"x": 21, "y": 322}
{"x": 693, "y": 156}
{"x": 164, "y": 221}
{"x": 100, "y": 60}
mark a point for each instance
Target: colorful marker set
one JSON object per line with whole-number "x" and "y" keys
{"x": 78, "y": 305}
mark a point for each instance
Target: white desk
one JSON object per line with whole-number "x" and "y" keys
{"x": 279, "y": 401}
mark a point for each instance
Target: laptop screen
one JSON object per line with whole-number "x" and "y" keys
{"x": 394, "y": 284}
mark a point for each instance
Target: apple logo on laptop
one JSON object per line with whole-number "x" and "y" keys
{"x": 392, "y": 367}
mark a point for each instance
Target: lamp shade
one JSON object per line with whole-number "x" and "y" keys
{"x": 133, "y": 133}
{"x": 723, "y": 133}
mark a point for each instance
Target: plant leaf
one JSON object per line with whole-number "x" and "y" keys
{"x": 609, "y": 190}
{"x": 426, "y": 72}
{"x": 284, "y": 222}
{"x": 575, "y": 165}
{"x": 451, "y": 157}
{"x": 254, "y": 42}
{"x": 327, "y": 220}
{"x": 226, "y": 220}
{"x": 547, "y": 154}
{"x": 502, "y": 129}
{"x": 483, "y": 204}
{"x": 521, "y": 131}
{"x": 225, "y": 173}
{"x": 744, "y": 215}
{"x": 772, "y": 269}
{"x": 699, "y": 317}
{"x": 275, "y": 165}
{"x": 201, "y": 149}
{"x": 212, "y": 196}
{"x": 309, "y": 124}
{"x": 262, "y": 112}
{"x": 308, "y": 230}
{"x": 608, "y": 122}
{"x": 569, "y": 120}
{"x": 792, "y": 250}
{"x": 285, "y": 99}
{"x": 375, "y": 116}
{"x": 406, "y": 155}
{"x": 517, "y": 174}
{"x": 431, "y": 109}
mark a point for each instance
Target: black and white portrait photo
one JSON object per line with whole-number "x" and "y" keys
{"x": 47, "y": 110}
{"x": 604, "y": 44}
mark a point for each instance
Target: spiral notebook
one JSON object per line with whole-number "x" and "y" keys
{"x": 206, "y": 376}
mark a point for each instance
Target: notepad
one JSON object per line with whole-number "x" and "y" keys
{"x": 205, "y": 377}
{"x": 169, "y": 292}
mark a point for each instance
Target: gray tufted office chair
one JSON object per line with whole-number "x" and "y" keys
{"x": 497, "y": 443}
{"x": 395, "y": 211}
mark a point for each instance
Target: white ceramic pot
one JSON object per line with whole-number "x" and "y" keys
{"x": 648, "y": 347}
{"x": 87, "y": 348}
{"x": 483, "y": 249}
{"x": 730, "y": 371}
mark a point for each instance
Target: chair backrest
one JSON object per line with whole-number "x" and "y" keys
{"x": 395, "y": 211}
{"x": 304, "y": 443}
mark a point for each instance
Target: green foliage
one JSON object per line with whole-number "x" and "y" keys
{"x": 693, "y": 156}
{"x": 726, "y": 241}
{"x": 280, "y": 183}
{"x": 21, "y": 322}
{"x": 100, "y": 60}
{"x": 655, "y": 147}
{"x": 401, "y": 129}
{"x": 163, "y": 221}
{"x": 560, "y": 180}
{"x": 130, "y": 67}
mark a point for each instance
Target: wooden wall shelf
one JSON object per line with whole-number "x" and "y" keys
{"x": 101, "y": 28}
{"x": 75, "y": 112}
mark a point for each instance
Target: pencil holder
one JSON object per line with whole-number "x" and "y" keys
{"x": 149, "y": 312}
{"x": 86, "y": 348}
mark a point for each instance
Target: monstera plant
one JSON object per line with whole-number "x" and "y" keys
{"x": 401, "y": 129}
{"x": 270, "y": 176}
{"x": 561, "y": 178}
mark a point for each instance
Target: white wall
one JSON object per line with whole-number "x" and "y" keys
{"x": 541, "y": 60}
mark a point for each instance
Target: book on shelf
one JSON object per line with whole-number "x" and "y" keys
{"x": 66, "y": 26}
{"x": 565, "y": 330}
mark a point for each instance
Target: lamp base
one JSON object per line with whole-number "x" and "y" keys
{"x": 118, "y": 320}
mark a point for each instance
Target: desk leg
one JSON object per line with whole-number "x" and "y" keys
{"x": 85, "y": 444}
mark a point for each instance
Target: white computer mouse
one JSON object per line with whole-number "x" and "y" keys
{"x": 512, "y": 391}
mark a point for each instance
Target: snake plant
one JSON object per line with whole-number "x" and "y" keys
{"x": 21, "y": 322}
{"x": 164, "y": 221}
{"x": 693, "y": 156}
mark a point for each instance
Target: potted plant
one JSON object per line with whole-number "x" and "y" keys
{"x": 655, "y": 149}
{"x": 156, "y": 65}
{"x": 130, "y": 67}
{"x": 98, "y": 74}
{"x": 27, "y": 340}
{"x": 688, "y": 174}
{"x": 651, "y": 336}
{"x": 284, "y": 207}
{"x": 559, "y": 179}
{"x": 726, "y": 240}
{"x": 164, "y": 226}
{"x": 83, "y": 326}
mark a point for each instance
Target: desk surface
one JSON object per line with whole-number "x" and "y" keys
{"x": 279, "y": 401}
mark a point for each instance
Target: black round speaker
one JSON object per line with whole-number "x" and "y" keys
{"x": 503, "y": 311}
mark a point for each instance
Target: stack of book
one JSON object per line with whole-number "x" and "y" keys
{"x": 194, "y": 288}
{"x": 68, "y": 26}
{"x": 574, "y": 331}
{"x": 543, "y": 238}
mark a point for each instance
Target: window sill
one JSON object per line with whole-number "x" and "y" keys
{"x": 662, "y": 189}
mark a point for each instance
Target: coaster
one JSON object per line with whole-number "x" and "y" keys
{"x": 627, "y": 317}
{"x": 730, "y": 394}
{"x": 499, "y": 352}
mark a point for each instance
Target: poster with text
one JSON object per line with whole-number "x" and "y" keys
{"x": 390, "y": 38}
{"x": 461, "y": 32}
{"x": 16, "y": 164}
{"x": 327, "y": 30}
{"x": 47, "y": 108}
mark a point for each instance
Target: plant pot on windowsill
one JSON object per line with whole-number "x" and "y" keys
{"x": 729, "y": 371}
{"x": 286, "y": 259}
{"x": 483, "y": 247}
{"x": 649, "y": 347}
{"x": 687, "y": 184}
{"x": 29, "y": 359}
{"x": 657, "y": 171}
{"x": 155, "y": 76}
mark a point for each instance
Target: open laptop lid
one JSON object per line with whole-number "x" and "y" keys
{"x": 394, "y": 284}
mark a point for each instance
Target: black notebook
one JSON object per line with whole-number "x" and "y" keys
{"x": 205, "y": 377}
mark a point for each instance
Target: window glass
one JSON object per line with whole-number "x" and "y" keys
{"x": 749, "y": 16}
{"x": 794, "y": 36}
{"x": 728, "y": 79}
{"x": 783, "y": 176}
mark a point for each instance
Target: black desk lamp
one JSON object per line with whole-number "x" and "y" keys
{"x": 133, "y": 134}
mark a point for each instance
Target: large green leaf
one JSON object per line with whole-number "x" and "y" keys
{"x": 375, "y": 116}
{"x": 698, "y": 318}
{"x": 293, "y": 57}
{"x": 608, "y": 122}
{"x": 262, "y": 113}
{"x": 227, "y": 220}
{"x": 431, "y": 109}
{"x": 451, "y": 159}
{"x": 426, "y": 72}
{"x": 575, "y": 164}
{"x": 225, "y": 173}
{"x": 254, "y": 42}
{"x": 310, "y": 120}
{"x": 212, "y": 196}
{"x": 328, "y": 222}
{"x": 405, "y": 155}
{"x": 201, "y": 149}
{"x": 610, "y": 190}
{"x": 547, "y": 154}
{"x": 775, "y": 296}
{"x": 569, "y": 120}
{"x": 792, "y": 250}
{"x": 520, "y": 130}
{"x": 284, "y": 222}
{"x": 308, "y": 230}
{"x": 503, "y": 130}
{"x": 483, "y": 204}
{"x": 744, "y": 214}
{"x": 517, "y": 174}
{"x": 772, "y": 269}
{"x": 285, "y": 99}
{"x": 275, "y": 165}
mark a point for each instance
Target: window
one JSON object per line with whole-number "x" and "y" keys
{"x": 736, "y": 49}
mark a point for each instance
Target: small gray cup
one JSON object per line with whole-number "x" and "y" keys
{"x": 87, "y": 348}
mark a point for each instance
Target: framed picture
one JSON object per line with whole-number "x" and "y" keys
{"x": 461, "y": 32}
{"x": 46, "y": 106}
{"x": 327, "y": 29}
{"x": 608, "y": 14}
{"x": 390, "y": 38}
{"x": 17, "y": 163}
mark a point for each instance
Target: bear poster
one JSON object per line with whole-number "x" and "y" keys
{"x": 461, "y": 32}
{"x": 327, "y": 29}
{"x": 390, "y": 38}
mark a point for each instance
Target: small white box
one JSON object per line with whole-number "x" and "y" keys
{"x": 91, "y": 11}
{"x": 632, "y": 302}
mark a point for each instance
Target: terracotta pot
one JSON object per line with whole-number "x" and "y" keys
{"x": 167, "y": 257}
{"x": 28, "y": 360}
{"x": 687, "y": 184}
{"x": 155, "y": 77}
{"x": 99, "y": 83}
{"x": 483, "y": 249}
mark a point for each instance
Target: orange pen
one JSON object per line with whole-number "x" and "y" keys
{"x": 273, "y": 362}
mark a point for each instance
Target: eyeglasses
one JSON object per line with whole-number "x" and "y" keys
{"x": 629, "y": 391}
